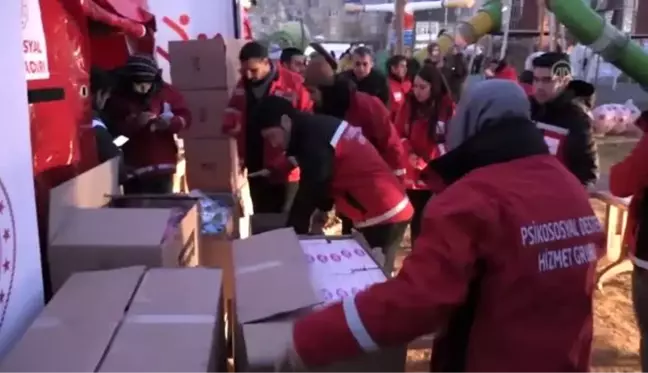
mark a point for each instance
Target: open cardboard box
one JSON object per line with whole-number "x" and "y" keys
{"x": 127, "y": 320}
{"x": 278, "y": 278}
{"x": 85, "y": 233}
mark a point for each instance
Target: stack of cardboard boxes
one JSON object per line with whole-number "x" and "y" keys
{"x": 206, "y": 71}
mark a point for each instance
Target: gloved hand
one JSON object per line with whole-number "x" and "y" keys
{"x": 163, "y": 121}
{"x": 289, "y": 360}
{"x": 144, "y": 118}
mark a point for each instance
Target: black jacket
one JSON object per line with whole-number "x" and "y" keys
{"x": 580, "y": 154}
{"x": 310, "y": 144}
{"x": 374, "y": 84}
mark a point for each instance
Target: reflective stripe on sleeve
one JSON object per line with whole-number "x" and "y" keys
{"x": 357, "y": 328}
{"x": 400, "y": 172}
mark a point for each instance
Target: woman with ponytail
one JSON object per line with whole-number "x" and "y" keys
{"x": 421, "y": 124}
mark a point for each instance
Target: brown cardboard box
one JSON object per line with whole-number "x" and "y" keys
{"x": 85, "y": 234}
{"x": 205, "y": 64}
{"x": 212, "y": 164}
{"x": 127, "y": 320}
{"x": 207, "y": 108}
{"x": 275, "y": 284}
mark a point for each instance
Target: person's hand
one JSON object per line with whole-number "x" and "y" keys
{"x": 159, "y": 124}
{"x": 144, "y": 118}
{"x": 261, "y": 173}
{"x": 289, "y": 360}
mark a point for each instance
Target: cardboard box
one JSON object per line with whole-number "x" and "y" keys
{"x": 127, "y": 320}
{"x": 205, "y": 64}
{"x": 212, "y": 165}
{"x": 279, "y": 278}
{"x": 207, "y": 108}
{"x": 86, "y": 234}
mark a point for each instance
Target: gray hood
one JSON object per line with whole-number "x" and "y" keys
{"x": 483, "y": 105}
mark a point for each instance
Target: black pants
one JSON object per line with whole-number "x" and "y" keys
{"x": 269, "y": 198}
{"x": 388, "y": 237}
{"x": 418, "y": 199}
{"x": 640, "y": 302}
{"x": 149, "y": 184}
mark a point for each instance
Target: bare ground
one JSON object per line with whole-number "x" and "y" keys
{"x": 616, "y": 339}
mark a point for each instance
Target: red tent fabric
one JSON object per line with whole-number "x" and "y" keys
{"x": 129, "y": 16}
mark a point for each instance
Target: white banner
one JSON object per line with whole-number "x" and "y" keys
{"x": 21, "y": 283}
{"x": 188, "y": 20}
{"x": 33, "y": 41}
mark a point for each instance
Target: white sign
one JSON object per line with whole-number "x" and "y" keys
{"x": 189, "y": 20}
{"x": 33, "y": 41}
{"x": 21, "y": 282}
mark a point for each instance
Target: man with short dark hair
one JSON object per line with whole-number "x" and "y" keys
{"x": 273, "y": 179}
{"x": 565, "y": 121}
{"x": 366, "y": 78}
{"x": 293, "y": 59}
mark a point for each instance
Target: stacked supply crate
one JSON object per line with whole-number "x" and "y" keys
{"x": 206, "y": 72}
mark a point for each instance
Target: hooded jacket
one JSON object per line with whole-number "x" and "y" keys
{"x": 568, "y": 111}
{"x": 502, "y": 295}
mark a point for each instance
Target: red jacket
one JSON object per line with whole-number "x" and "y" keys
{"x": 363, "y": 188}
{"x": 509, "y": 73}
{"x": 419, "y": 148}
{"x": 529, "y": 245}
{"x": 629, "y": 178}
{"x": 286, "y": 84}
{"x": 369, "y": 113}
{"x": 398, "y": 90}
{"x": 148, "y": 151}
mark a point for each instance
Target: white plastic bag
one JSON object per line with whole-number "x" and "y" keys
{"x": 615, "y": 119}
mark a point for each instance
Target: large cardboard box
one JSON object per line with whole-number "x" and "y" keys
{"x": 279, "y": 278}
{"x": 127, "y": 320}
{"x": 85, "y": 233}
{"x": 212, "y": 165}
{"x": 207, "y": 108}
{"x": 205, "y": 64}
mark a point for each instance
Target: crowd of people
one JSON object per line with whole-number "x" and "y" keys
{"x": 491, "y": 178}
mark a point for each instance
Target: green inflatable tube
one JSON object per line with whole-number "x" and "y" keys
{"x": 592, "y": 30}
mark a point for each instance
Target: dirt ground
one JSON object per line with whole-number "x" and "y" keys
{"x": 616, "y": 339}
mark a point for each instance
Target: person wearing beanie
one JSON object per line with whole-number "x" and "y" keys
{"x": 503, "y": 273}
{"x": 421, "y": 125}
{"x": 558, "y": 109}
{"x": 272, "y": 178}
{"x": 399, "y": 85}
{"x": 366, "y": 78}
{"x": 148, "y": 112}
{"x": 336, "y": 96}
{"x": 339, "y": 167}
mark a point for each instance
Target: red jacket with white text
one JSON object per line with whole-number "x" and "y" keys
{"x": 286, "y": 84}
{"x": 503, "y": 270}
{"x": 419, "y": 147}
{"x": 148, "y": 151}
{"x": 370, "y": 114}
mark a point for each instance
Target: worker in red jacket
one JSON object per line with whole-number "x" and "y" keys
{"x": 338, "y": 97}
{"x": 339, "y": 167}
{"x": 421, "y": 124}
{"x": 272, "y": 178}
{"x": 399, "y": 84}
{"x": 148, "y": 112}
{"x": 503, "y": 270}
{"x": 629, "y": 178}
